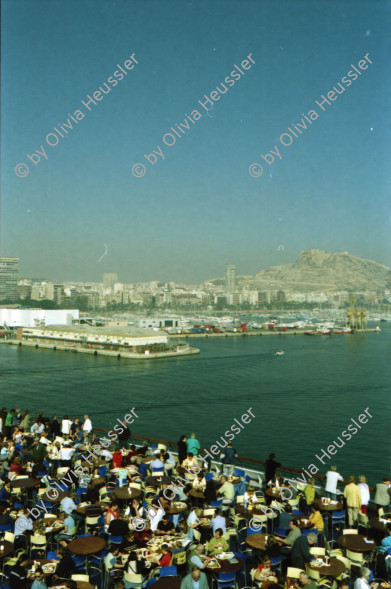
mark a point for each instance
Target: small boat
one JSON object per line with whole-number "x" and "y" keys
{"x": 279, "y": 353}
{"x": 347, "y": 330}
{"x": 320, "y": 332}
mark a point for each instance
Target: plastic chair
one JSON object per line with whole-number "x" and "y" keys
{"x": 280, "y": 532}
{"x": 136, "y": 580}
{"x": 6, "y": 528}
{"x": 84, "y": 578}
{"x": 209, "y": 476}
{"x": 116, "y": 539}
{"x": 349, "y": 531}
{"x": 170, "y": 571}
{"x": 216, "y": 503}
{"x": 294, "y": 573}
{"x": 150, "y": 582}
{"x": 306, "y": 531}
{"x": 239, "y": 472}
{"x": 102, "y": 470}
{"x": 226, "y": 580}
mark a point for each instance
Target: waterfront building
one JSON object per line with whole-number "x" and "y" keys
{"x": 34, "y": 317}
{"x": 9, "y": 269}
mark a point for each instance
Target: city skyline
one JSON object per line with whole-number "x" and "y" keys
{"x": 81, "y": 114}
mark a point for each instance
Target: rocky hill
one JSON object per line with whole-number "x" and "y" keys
{"x": 315, "y": 270}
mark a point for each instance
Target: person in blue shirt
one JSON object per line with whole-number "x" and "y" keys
{"x": 385, "y": 548}
{"x": 39, "y": 581}
{"x": 142, "y": 468}
{"x": 69, "y": 524}
{"x": 5, "y": 492}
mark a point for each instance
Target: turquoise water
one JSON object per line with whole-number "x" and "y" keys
{"x": 302, "y": 400}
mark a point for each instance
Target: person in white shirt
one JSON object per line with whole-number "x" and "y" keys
{"x": 68, "y": 505}
{"x": 364, "y": 490}
{"x": 66, "y": 426}
{"x": 87, "y": 426}
{"x": 332, "y": 478}
{"x": 362, "y": 581}
{"x": 66, "y": 453}
{"x": 250, "y": 496}
{"x": 155, "y": 514}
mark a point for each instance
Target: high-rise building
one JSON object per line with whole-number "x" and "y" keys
{"x": 9, "y": 269}
{"x": 109, "y": 279}
{"x": 230, "y": 272}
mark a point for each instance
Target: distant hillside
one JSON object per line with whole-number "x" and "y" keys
{"x": 315, "y": 270}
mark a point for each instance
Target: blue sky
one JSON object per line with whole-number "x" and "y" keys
{"x": 199, "y": 208}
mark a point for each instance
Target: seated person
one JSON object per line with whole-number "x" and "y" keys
{"x": 118, "y": 526}
{"x": 285, "y": 517}
{"x": 226, "y": 491}
{"x": 316, "y": 518}
{"x": 165, "y": 526}
{"x": 218, "y": 521}
{"x": 197, "y": 557}
{"x": 264, "y": 571}
{"x": 17, "y": 467}
{"x": 194, "y": 518}
{"x": 66, "y": 565}
{"x": 5, "y": 518}
{"x": 199, "y": 483}
{"x": 210, "y": 491}
{"x": 185, "y": 532}
{"x": 165, "y": 559}
{"x": 305, "y": 581}
{"x": 157, "y": 465}
{"x": 273, "y": 547}
{"x": 190, "y": 461}
{"x": 69, "y": 524}
{"x": 250, "y": 496}
{"x": 129, "y": 544}
{"x": 218, "y": 543}
{"x": 112, "y": 562}
{"x": 287, "y": 491}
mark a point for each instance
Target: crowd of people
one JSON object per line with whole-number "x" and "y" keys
{"x": 48, "y": 451}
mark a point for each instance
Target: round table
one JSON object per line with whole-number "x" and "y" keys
{"x": 82, "y": 510}
{"x": 258, "y": 541}
{"x": 97, "y": 481}
{"x": 376, "y": 523}
{"x": 7, "y": 548}
{"x": 175, "y": 509}
{"x": 328, "y": 506}
{"x": 254, "y": 511}
{"x": 80, "y": 584}
{"x": 197, "y": 494}
{"x": 273, "y": 492}
{"x": 356, "y": 543}
{"x": 86, "y": 545}
{"x": 335, "y": 568}
{"x": 56, "y": 495}
{"x": 226, "y": 566}
{"x": 300, "y": 523}
{"x": 28, "y": 483}
{"x": 123, "y": 493}
{"x": 234, "y": 480}
{"x": 153, "y": 481}
{"x": 41, "y": 561}
{"x": 168, "y": 583}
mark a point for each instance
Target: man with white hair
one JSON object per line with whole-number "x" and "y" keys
{"x": 87, "y": 426}
{"x": 332, "y": 478}
{"x": 362, "y": 582}
{"x": 197, "y": 557}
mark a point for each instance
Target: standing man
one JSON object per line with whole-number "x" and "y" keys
{"x": 193, "y": 445}
{"x": 332, "y": 478}
{"x": 352, "y": 495}
{"x": 87, "y": 426}
{"x": 383, "y": 493}
{"x": 228, "y": 456}
{"x": 270, "y": 468}
{"x": 300, "y": 553}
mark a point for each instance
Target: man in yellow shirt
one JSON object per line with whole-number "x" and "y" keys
{"x": 352, "y": 495}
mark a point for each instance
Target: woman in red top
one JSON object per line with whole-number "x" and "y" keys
{"x": 117, "y": 458}
{"x": 17, "y": 467}
{"x": 111, "y": 513}
{"x": 165, "y": 560}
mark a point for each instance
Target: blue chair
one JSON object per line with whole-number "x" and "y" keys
{"x": 6, "y": 528}
{"x": 239, "y": 472}
{"x": 52, "y": 555}
{"x": 79, "y": 561}
{"x": 276, "y": 561}
{"x": 81, "y": 491}
{"x": 247, "y": 479}
{"x": 209, "y": 476}
{"x": 338, "y": 518}
{"x": 250, "y": 531}
{"x": 280, "y": 532}
{"x": 169, "y": 571}
{"x": 216, "y": 503}
{"x": 150, "y": 582}
{"x": 116, "y": 539}
{"x": 226, "y": 580}
{"x": 102, "y": 470}
{"x": 297, "y": 512}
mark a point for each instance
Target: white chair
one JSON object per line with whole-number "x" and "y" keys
{"x": 84, "y": 578}
{"x": 349, "y": 531}
{"x": 317, "y": 551}
{"x": 9, "y": 537}
{"x": 356, "y": 558}
{"x": 161, "y": 447}
{"x": 294, "y": 573}
{"x": 240, "y": 499}
{"x": 209, "y": 511}
{"x": 132, "y": 578}
{"x": 196, "y": 535}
